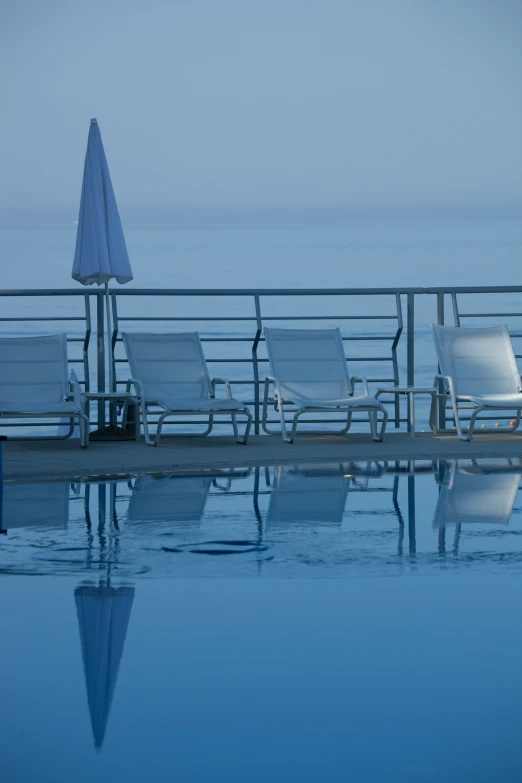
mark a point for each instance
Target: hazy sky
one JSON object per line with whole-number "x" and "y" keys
{"x": 264, "y": 102}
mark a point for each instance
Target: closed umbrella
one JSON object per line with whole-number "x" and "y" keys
{"x": 101, "y": 253}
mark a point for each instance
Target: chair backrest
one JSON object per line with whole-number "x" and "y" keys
{"x": 33, "y": 505}
{"x": 168, "y": 499}
{"x": 480, "y": 361}
{"x": 477, "y": 497}
{"x": 308, "y": 362}
{"x": 33, "y": 369}
{"x": 170, "y": 366}
{"x": 307, "y": 495}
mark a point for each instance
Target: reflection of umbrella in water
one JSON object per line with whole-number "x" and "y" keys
{"x": 103, "y": 618}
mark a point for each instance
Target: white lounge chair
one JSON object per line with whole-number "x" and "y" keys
{"x": 310, "y": 376}
{"x": 34, "y": 382}
{"x": 169, "y": 371}
{"x": 479, "y": 372}
{"x": 476, "y": 496}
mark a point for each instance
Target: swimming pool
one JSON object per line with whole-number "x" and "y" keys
{"x": 312, "y": 622}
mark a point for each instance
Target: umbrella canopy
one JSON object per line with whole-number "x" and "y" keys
{"x": 103, "y": 618}
{"x": 101, "y": 252}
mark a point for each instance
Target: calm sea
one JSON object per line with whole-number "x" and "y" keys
{"x": 271, "y": 250}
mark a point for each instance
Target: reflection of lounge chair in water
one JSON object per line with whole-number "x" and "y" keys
{"x": 476, "y": 495}
{"x": 169, "y": 499}
{"x": 34, "y": 505}
{"x": 308, "y": 495}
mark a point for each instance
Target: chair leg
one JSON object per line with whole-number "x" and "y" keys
{"x": 84, "y": 423}
{"x": 159, "y": 427}
{"x": 384, "y": 423}
{"x": 244, "y": 439}
{"x": 433, "y": 422}
{"x": 124, "y": 415}
{"x": 234, "y": 427}
{"x": 81, "y": 425}
{"x": 286, "y": 437}
{"x": 348, "y": 423}
{"x": 264, "y": 416}
{"x": 294, "y": 424}
{"x": 148, "y": 440}
{"x": 138, "y": 421}
{"x": 472, "y": 421}
{"x": 374, "y": 421}
{"x": 373, "y": 427}
{"x": 210, "y": 426}
{"x": 458, "y": 426}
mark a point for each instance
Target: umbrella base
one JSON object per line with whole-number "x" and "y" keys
{"x": 111, "y": 432}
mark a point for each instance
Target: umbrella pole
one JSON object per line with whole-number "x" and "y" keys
{"x": 109, "y": 352}
{"x": 109, "y": 336}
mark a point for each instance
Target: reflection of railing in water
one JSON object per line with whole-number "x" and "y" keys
{"x": 279, "y": 498}
{"x": 373, "y": 470}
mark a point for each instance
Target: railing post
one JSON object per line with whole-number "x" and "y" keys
{"x": 100, "y": 349}
{"x": 410, "y": 347}
{"x": 441, "y": 405}
{"x": 400, "y": 326}
{"x": 259, "y": 328}
{"x": 86, "y": 341}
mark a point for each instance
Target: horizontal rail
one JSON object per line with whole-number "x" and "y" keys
{"x": 46, "y": 318}
{"x": 127, "y": 291}
{"x": 224, "y": 338}
{"x": 490, "y": 315}
{"x": 212, "y": 292}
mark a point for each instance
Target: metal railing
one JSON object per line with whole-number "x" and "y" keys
{"x": 248, "y": 328}
{"x": 233, "y": 319}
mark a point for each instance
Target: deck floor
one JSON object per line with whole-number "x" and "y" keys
{"x": 52, "y": 460}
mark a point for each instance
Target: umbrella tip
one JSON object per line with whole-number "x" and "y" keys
{"x": 94, "y": 121}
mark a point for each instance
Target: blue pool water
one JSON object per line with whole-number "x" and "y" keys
{"x": 321, "y": 622}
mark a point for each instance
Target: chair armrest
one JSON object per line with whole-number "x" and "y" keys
{"x": 138, "y": 389}
{"x": 448, "y": 380}
{"x": 268, "y": 380}
{"x": 358, "y": 379}
{"x": 226, "y": 382}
